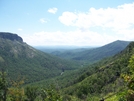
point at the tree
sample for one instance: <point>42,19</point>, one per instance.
<point>31,93</point>
<point>50,95</point>
<point>16,91</point>
<point>3,86</point>
<point>129,79</point>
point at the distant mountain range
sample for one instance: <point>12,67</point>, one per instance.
<point>91,55</point>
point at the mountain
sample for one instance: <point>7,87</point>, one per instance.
<point>94,54</point>
<point>55,50</point>
<point>19,59</point>
<point>13,37</point>
<point>101,79</point>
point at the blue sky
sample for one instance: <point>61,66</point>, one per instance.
<point>68,22</point>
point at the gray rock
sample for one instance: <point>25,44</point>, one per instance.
<point>10,36</point>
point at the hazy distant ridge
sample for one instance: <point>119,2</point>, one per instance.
<point>95,54</point>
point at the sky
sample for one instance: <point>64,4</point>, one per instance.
<point>68,22</point>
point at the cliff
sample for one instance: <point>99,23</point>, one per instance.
<point>10,36</point>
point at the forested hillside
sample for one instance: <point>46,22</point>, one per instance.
<point>18,58</point>
<point>104,79</point>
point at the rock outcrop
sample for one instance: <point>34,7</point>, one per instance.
<point>10,36</point>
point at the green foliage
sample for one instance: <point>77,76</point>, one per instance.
<point>31,93</point>
<point>129,79</point>
<point>3,86</point>
<point>122,96</point>
<point>16,94</point>
<point>50,95</point>
<point>16,91</point>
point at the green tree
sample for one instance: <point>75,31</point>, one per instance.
<point>31,93</point>
<point>16,91</point>
<point>128,95</point>
<point>3,86</point>
<point>130,80</point>
<point>51,95</point>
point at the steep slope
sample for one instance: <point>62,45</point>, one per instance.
<point>103,78</point>
<point>18,58</point>
<point>95,54</point>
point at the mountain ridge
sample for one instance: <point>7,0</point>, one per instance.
<point>95,54</point>
<point>18,58</point>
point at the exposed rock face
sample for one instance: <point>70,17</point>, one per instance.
<point>10,36</point>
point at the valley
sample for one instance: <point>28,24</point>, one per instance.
<point>64,74</point>
<point>87,55</point>
<point>67,50</point>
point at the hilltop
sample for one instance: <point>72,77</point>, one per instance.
<point>10,36</point>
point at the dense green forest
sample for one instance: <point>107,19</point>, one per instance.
<point>27,74</point>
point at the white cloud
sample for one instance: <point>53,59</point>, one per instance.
<point>116,18</point>
<point>52,10</point>
<point>68,18</point>
<point>95,27</point>
<point>78,38</point>
<point>42,20</point>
